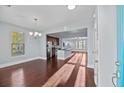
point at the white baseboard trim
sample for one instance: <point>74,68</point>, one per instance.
<point>19,62</point>
<point>44,58</point>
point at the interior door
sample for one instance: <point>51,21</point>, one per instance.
<point>120,45</point>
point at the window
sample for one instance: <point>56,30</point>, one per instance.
<point>80,44</point>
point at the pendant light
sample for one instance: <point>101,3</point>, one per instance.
<point>35,33</point>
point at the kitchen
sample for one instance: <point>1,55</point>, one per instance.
<point>63,45</point>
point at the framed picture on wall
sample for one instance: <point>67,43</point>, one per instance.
<point>17,45</point>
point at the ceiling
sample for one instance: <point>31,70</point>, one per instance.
<point>49,16</point>
<point>71,34</point>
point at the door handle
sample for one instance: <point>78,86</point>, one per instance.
<point>116,74</point>
<point>117,63</point>
<point>113,80</point>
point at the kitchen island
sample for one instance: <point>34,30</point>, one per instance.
<point>63,54</point>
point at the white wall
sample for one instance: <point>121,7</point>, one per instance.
<point>90,47</point>
<point>43,46</point>
<point>32,46</point>
<point>107,44</point>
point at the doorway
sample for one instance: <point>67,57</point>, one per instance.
<point>52,43</point>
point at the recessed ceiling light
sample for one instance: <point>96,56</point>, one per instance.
<point>71,7</point>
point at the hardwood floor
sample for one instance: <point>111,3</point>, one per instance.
<point>90,78</point>
<point>37,72</point>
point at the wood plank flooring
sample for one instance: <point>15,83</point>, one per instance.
<point>38,73</point>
